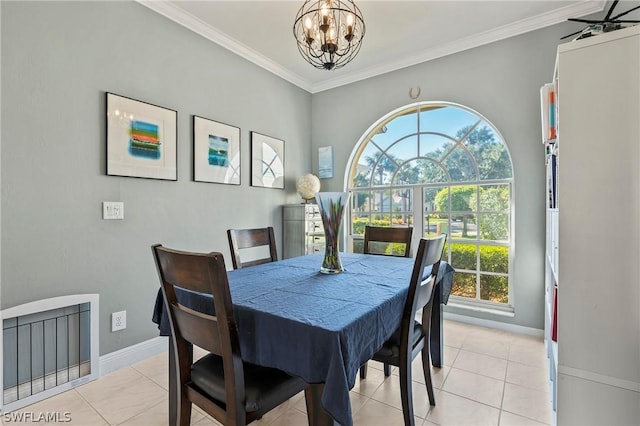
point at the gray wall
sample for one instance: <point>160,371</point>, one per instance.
<point>58,60</point>
<point>501,81</point>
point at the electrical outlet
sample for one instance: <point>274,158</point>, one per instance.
<point>118,320</point>
<point>112,210</point>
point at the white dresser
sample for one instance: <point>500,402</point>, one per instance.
<point>302,231</point>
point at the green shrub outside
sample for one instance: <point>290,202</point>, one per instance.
<point>494,288</point>
<point>359,224</point>
<point>463,256</point>
<point>464,285</point>
<point>358,229</point>
<point>492,259</point>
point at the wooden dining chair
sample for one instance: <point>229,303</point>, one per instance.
<point>240,239</point>
<point>376,241</point>
<point>413,337</point>
<point>375,238</point>
<point>232,391</point>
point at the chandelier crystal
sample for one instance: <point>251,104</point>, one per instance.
<point>329,33</point>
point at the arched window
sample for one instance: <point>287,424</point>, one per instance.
<point>441,168</point>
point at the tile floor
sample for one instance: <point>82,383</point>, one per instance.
<point>489,377</point>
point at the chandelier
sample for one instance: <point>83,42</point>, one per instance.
<point>329,32</point>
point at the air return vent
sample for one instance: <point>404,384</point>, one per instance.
<point>48,346</point>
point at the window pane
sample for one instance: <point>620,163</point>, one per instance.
<point>358,223</point>
<point>365,165</point>
<point>404,149</point>
<point>409,173</point>
<point>494,227</point>
<point>397,128</point>
<point>464,285</point>
<point>435,224</point>
<point>464,226</point>
<point>384,168</point>
<point>494,259</point>
<point>380,220</point>
<point>430,194</point>
<point>402,205</point>
<point>446,119</point>
<point>434,146</point>
<point>490,152</point>
<point>494,198</point>
<point>359,201</point>
<point>464,256</point>
<point>460,166</point>
<point>461,199</point>
<point>494,288</point>
<point>428,172</point>
<point>380,201</point>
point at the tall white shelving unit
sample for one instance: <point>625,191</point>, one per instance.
<point>593,237</point>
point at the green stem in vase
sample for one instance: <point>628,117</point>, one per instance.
<point>331,206</point>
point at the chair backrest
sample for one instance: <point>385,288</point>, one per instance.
<point>240,239</point>
<point>216,333</point>
<point>376,234</point>
<point>421,288</point>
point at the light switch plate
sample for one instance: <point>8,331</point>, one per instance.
<point>113,210</point>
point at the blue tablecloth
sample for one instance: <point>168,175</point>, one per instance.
<point>319,327</point>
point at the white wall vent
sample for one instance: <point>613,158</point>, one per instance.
<point>48,346</point>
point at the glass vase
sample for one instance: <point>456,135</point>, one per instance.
<point>331,205</point>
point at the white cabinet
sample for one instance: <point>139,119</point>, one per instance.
<point>550,140</point>
<point>598,234</point>
<point>302,231</point>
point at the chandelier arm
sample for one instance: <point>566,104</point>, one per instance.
<point>310,59</point>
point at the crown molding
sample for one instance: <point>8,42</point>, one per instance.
<point>476,40</point>
<point>174,13</point>
<point>170,11</point>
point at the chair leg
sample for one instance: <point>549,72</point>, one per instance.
<point>363,371</point>
<point>426,364</point>
<point>387,370</point>
<point>406,392</point>
<point>185,411</point>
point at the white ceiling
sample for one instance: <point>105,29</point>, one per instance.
<point>398,33</point>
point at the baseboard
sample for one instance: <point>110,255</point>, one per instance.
<point>130,355</point>
<point>513,328</point>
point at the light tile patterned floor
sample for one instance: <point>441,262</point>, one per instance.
<point>489,377</point>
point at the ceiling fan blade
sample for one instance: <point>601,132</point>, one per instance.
<point>572,34</point>
<point>624,13</point>
<point>613,6</point>
<point>586,21</point>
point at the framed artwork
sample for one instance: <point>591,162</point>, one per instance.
<point>267,161</point>
<point>216,152</point>
<point>325,162</point>
<point>141,139</point>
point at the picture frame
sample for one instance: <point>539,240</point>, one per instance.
<point>141,139</point>
<point>325,162</point>
<point>216,152</point>
<point>267,161</point>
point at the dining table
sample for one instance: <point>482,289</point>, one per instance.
<point>320,327</point>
